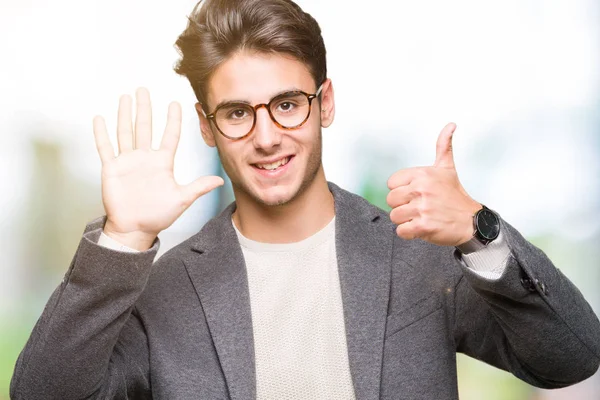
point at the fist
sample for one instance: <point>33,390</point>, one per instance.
<point>430,202</point>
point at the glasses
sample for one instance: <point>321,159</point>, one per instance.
<point>289,110</point>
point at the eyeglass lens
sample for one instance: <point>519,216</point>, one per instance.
<point>289,110</point>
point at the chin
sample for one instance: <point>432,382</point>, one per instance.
<point>275,196</point>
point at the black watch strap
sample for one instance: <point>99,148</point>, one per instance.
<point>471,246</point>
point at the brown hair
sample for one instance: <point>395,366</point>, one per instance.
<point>219,28</point>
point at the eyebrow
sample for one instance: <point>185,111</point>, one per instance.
<point>229,102</point>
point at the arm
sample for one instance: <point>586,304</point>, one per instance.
<point>89,341</point>
<point>545,334</point>
<point>529,319</point>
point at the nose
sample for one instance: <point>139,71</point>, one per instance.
<point>266,133</point>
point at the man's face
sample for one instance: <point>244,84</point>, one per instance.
<point>256,78</point>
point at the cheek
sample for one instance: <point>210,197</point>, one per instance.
<point>231,156</point>
<point>308,134</point>
<point>315,115</point>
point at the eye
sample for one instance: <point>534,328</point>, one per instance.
<point>286,106</point>
<point>237,113</point>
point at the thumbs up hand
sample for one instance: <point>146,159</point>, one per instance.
<point>429,202</point>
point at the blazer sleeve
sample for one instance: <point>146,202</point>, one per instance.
<point>532,321</point>
<point>89,341</point>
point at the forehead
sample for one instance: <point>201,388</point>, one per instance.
<point>256,77</point>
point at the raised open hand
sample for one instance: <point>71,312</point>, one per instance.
<point>139,192</point>
<point>430,202</point>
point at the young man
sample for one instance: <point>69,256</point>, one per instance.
<point>299,289</point>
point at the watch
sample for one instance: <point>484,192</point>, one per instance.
<point>486,225</point>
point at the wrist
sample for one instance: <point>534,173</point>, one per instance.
<point>137,240</point>
<point>469,225</point>
<point>486,224</point>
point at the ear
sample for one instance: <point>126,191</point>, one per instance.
<point>205,128</point>
<point>327,104</point>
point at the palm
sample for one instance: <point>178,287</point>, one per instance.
<point>139,191</point>
<point>137,184</point>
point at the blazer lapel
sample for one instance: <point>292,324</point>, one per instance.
<point>364,250</point>
<point>218,273</point>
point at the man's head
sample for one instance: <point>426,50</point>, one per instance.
<point>249,51</point>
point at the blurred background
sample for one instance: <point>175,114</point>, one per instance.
<point>519,77</point>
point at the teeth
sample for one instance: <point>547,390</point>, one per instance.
<point>274,165</point>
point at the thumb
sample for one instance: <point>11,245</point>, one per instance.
<point>200,187</point>
<point>444,157</point>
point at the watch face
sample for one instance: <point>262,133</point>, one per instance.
<point>488,225</point>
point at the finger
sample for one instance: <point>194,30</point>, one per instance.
<point>200,187</point>
<point>409,230</point>
<point>444,157</point>
<point>401,195</point>
<point>105,149</point>
<point>401,178</point>
<point>124,128</point>
<point>143,120</point>
<point>403,214</point>
<point>170,138</point>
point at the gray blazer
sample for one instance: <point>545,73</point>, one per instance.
<point>120,326</point>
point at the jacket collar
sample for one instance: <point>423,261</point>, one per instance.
<point>363,245</point>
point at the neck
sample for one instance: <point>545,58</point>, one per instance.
<point>309,212</point>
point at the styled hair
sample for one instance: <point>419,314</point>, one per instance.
<point>217,29</point>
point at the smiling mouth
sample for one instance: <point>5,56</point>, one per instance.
<point>274,165</point>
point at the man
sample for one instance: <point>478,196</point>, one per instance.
<point>299,289</point>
